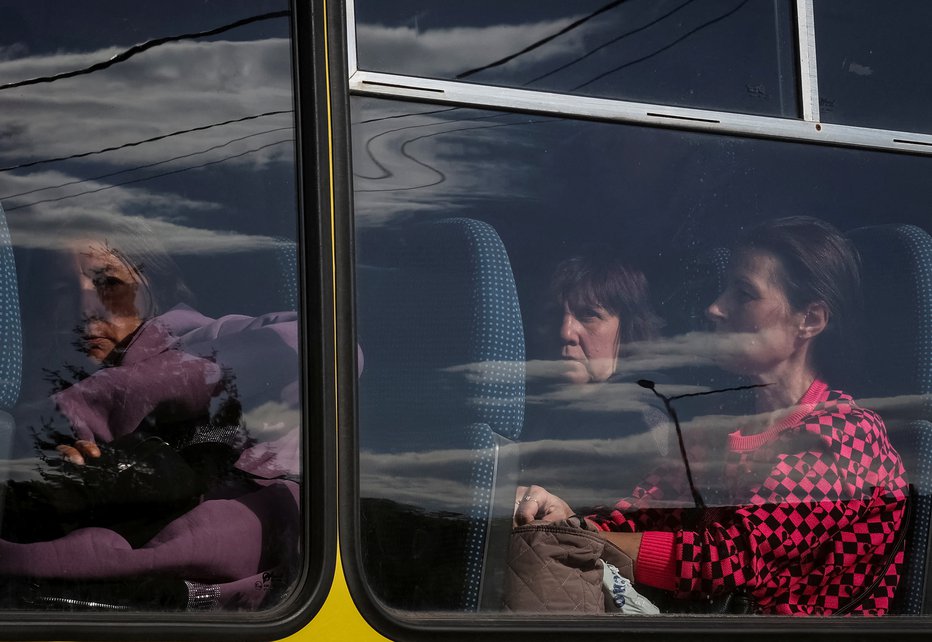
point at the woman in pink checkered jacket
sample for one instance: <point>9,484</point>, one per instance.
<point>817,492</point>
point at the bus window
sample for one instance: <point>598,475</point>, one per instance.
<point>866,75</point>
<point>152,444</point>
<point>474,316</point>
<point>727,55</point>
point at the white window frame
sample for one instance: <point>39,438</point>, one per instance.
<point>809,128</point>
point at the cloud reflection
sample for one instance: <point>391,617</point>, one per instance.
<point>584,472</point>
<point>164,89</point>
<point>271,420</point>
<point>95,215</point>
<point>403,167</point>
<point>172,87</point>
<point>439,479</point>
<point>447,52</point>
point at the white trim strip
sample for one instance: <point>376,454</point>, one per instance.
<point>808,69</point>
<point>473,95</point>
<point>351,60</point>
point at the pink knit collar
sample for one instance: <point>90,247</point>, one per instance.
<point>738,442</point>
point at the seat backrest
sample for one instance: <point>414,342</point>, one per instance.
<point>440,324</point>
<point>286,253</point>
<point>699,280</point>
<point>897,374</point>
<point>914,441</point>
<point>11,340</point>
<point>897,284</point>
<point>11,333</point>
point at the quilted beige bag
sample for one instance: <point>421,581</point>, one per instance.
<point>556,567</point>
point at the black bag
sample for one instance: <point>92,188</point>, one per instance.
<point>138,485</point>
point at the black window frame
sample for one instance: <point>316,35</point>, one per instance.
<point>427,626</point>
<point>311,50</point>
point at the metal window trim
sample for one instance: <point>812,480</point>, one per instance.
<point>351,62</point>
<point>808,68</point>
<point>809,129</point>
<point>604,109</point>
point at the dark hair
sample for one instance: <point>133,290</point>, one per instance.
<point>603,280</point>
<point>817,263</point>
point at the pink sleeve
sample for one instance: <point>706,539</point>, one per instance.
<point>656,565</point>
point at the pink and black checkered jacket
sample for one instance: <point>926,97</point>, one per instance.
<point>817,501</point>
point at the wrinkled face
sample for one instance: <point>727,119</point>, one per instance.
<point>112,298</point>
<point>763,330</point>
<point>590,341</point>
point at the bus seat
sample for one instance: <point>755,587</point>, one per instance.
<point>897,375</point>
<point>700,279</point>
<point>493,481</point>
<point>286,253</point>
<point>439,319</point>
<point>897,283</point>
<point>914,440</point>
<point>11,337</point>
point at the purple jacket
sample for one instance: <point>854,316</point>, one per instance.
<point>176,364</point>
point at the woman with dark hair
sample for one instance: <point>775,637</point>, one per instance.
<point>605,306</point>
<point>817,492</point>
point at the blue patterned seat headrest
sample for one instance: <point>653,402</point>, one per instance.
<point>498,335</point>
<point>475,258</point>
<point>286,254</point>
<point>11,333</point>
<point>913,440</point>
<point>897,282</point>
<point>439,320</point>
<point>698,281</point>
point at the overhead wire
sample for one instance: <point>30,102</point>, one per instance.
<point>144,141</point>
<point>609,43</point>
<point>686,35</point>
<point>157,42</point>
<point>388,174</point>
<point>135,50</point>
<point>539,43</point>
<point>146,166</point>
<point>149,178</point>
<point>122,57</point>
<point>534,45</point>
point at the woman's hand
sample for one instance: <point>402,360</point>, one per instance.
<point>536,503</point>
<point>82,448</point>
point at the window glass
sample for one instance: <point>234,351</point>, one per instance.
<point>543,301</point>
<point>730,55</point>
<point>871,64</point>
<point>150,423</point>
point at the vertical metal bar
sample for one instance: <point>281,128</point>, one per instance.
<point>779,25</point>
<point>808,69</point>
<point>351,37</point>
